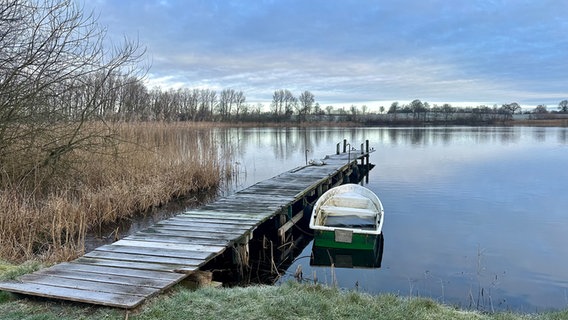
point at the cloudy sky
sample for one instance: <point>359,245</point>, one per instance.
<point>358,52</point>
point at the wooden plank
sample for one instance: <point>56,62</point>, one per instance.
<point>167,245</point>
<point>56,281</point>
<point>207,227</point>
<point>179,240</point>
<point>205,237</point>
<point>261,202</point>
<point>246,212</point>
<point>186,219</point>
<point>130,265</point>
<point>189,230</point>
<point>142,258</point>
<point>160,252</point>
<point>166,276</point>
<point>107,278</point>
<point>275,197</point>
<point>226,214</point>
<point>285,227</point>
<point>198,222</point>
<point>270,190</point>
<point>102,298</point>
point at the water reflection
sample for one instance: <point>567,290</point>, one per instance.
<point>284,143</point>
<point>346,258</point>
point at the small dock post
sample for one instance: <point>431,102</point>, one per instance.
<point>367,163</point>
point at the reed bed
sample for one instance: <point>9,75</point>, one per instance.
<point>146,165</point>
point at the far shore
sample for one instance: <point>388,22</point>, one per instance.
<point>391,123</point>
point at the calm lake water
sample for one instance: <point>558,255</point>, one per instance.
<point>474,217</point>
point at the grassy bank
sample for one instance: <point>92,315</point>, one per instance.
<point>289,301</point>
<point>145,165</point>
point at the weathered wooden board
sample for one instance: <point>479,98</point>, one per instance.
<point>205,234</point>
<point>89,268</point>
<point>227,214</point>
<point>203,226</point>
<point>160,252</point>
<point>93,297</point>
<point>194,237</point>
<point>182,240</point>
<point>131,265</point>
<point>184,219</point>
<point>55,281</point>
<point>105,278</point>
<point>139,257</point>
<point>143,264</point>
<point>171,245</point>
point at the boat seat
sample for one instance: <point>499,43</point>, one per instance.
<point>350,200</point>
<point>351,221</point>
<point>342,211</point>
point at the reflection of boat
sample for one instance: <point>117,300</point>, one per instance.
<point>348,258</point>
<point>348,217</point>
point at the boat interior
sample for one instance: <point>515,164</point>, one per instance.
<point>348,210</point>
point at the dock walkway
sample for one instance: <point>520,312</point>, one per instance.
<point>125,273</point>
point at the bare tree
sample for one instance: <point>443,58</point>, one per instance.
<point>133,100</point>
<point>55,76</point>
<point>447,110</point>
<point>563,106</point>
<point>304,108</point>
<point>394,109</point>
<point>283,104</point>
<point>240,106</point>
<point>511,107</point>
<point>207,104</point>
<point>277,105</point>
<point>226,101</point>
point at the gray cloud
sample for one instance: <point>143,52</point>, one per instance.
<point>352,51</point>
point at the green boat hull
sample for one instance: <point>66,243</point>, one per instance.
<point>346,258</point>
<point>340,239</point>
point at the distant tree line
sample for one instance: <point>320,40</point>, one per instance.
<point>418,112</point>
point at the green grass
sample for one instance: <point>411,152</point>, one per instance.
<point>9,271</point>
<point>289,301</point>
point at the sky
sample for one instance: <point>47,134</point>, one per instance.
<point>353,52</point>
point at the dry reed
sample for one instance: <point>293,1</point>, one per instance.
<point>148,165</point>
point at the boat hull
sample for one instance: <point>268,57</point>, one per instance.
<point>344,239</point>
<point>348,258</point>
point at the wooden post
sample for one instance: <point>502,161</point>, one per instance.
<point>368,167</point>
<point>337,148</point>
<point>241,254</point>
<point>362,150</point>
<point>344,145</point>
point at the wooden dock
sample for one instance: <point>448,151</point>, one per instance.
<point>125,273</point>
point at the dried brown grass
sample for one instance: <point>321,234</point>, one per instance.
<point>147,165</point>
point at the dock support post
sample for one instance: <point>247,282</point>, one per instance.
<point>367,165</point>
<point>241,254</point>
<point>337,148</point>
<point>344,145</point>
